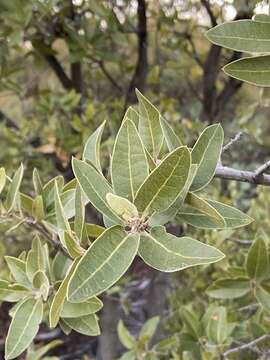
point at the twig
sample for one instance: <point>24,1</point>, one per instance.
<point>246,346</point>
<point>239,241</point>
<point>233,140</point>
<point>209,12</point>
<point>262,169</point>
<point>228,173</point>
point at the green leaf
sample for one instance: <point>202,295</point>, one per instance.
<point>18,270</point>
<point>132,115</point>
<point>112,250</point>
<point>79,215</point>
<point>94,230</point>
<point>73,310</point>
<point>26,203</point>
<point>228,288</point>
<point>171,139</point>
<point>253,70</point>
<point>60,266</point>
<point>129,355</point>
<point>62,222</point>
<point>166,252</point>
<point>205,208</point>
<point>39,354</point>
<point>95,187</point>
<point>41,282</point>
<point>59,297</point>
<point>2,179</point>
<point>206,153</point>
<point>129,167</point>
<point>263,297</point>
<point>217,325</point>
<point>233,217</point>
<point>37,182</point>
<point>36,259</point>
<point>163,185</point>
<point>257,263</point>
<point>86,325</point>
<point>242,35</point>
<point>49,189</point>
<point>14,189</point>
<point>122,207</point>
<point>12,292</point>
<point>73,247</point>
<point>23,328</point>
<point>149,328</point>
<point>149,125</point>
<point>91,150</point>
<point>125,336</point>
<point>38,208</point>
<point>191,322</point>
<point>169,214</point>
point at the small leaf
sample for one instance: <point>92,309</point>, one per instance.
<point>125,336</point>
<point>62,222</point>
<point>2,179</point>
<point>242,35</point>
<point>86,325</point>
<point>59,297</point>
<point>24,327</point>
<point>129,166</point>
<point>95,187</point>
<point>257,263</point>
<point>103,264</point>
<point>229,288</point>
<point>149,125</point>
<point>41,282</point>
<point>166,252</point>
<point>60,266</point>
<point>132,115</point>
<point>36,259</point>
<point>79,215</point>
<point>73,310</point>
<point>38,208</point>
<point>263,297</point>
<point>253,70</point>
<point>73,247</point>
<point>191,322</point>
<point>122,207</point>
<point>18,270</point>
<point>37,182</point>
<point>149,328</point>
<point>217,325</point>
<point>12,292</point>
<point>14,189</point>
<point>171,139</point>
<point>91,150</point>
<point>206,153</point>
<point>163,185</point>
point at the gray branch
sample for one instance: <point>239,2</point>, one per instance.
<point>228,173</point>
<point>247,346</point>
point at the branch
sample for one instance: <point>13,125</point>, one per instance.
<point>209,12</point>
<point>262,169</point>
<point>246,346</point>
<point>59,72</point>
<point>9,122</point>
<point>233,140</point>
<point>228,173</point>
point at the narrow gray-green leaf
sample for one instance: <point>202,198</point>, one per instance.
<point>79,214</point>
<point>228,288</point>
<point>95,187</point>
<point>263,297</point>
<point>149,125</point>
<point>125,336</point>
<point>41,282</point>
<point>14,189</point>
<point>86,325</point>
<point>23,328</point>
<point>166,252</point>
<point>91,150</point>
<point>103,264</point>
<point>253,70</point>
<point>62,222</point>
<point>149,328</point>
<point>171,139</point>
<point>18,270</point>
<point>132,115</point>
<point>59,297</point>
<point>206,153</point>
<point>2,179</point>
<point>122,207</point>
<point>37,182</point>
<point>242,35</point>
<point>257,263</point>
<point>164,184</point>
<point>73,310</point>
<point>12,292</point>
<point>129,166</point>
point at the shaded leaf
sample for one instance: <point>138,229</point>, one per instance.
<point>257,262</point>
<point>73,310</point>
<point>171,139</point>
<point>228,288</point>
<point>86,325</point>
<point>125,336</point>
<point>14,189</point>
<point>103,264</point>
